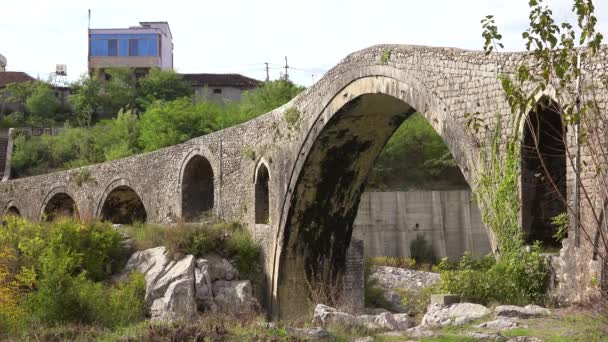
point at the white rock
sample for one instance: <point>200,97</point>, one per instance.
<point>203,288</point>
<point>392,279</point>
<point>500,324</point>
<point>221,269</point>
<point>151,263</point>
<point>324,315</point>
<point>235,297</point>
<point>453,314</point>
<point>527,311</point>
<point>174,271</point>
<point>177,303</point>
<point>388,321</point>
<point>487,336</point>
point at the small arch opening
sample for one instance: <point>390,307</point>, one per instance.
<point>12,210</point>
<point>123,206</point>
<point>543,193</point>
<point>60,205</point>
<point>197,189</point>
<point>262,196</point>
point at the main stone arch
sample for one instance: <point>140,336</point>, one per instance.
<point>330,171</point>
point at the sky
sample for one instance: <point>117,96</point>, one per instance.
<point>238,36</point>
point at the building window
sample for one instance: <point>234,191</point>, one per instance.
<point>113,47</point>
<point>217,91</point>
<point>133,44</point>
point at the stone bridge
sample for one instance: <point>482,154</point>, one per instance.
<point>293,176</point>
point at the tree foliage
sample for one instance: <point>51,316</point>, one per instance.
<point>163,123</point>
<point>416,157</point>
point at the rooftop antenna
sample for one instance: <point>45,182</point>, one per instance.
<point>89,23</point>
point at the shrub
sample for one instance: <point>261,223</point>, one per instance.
<point>391,261</point>
<point>229,240</point>
<point>421,250</point>
<point>50,273</point>
<point>516,279</point>
<point>374,294</point>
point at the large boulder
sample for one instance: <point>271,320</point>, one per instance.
<point>524,312</point>
<point>176,289</point>
<point>151,263</point>
<point>174,271</point>
<point>395,280</point>
<point>220,268</point>
<point>453,314</point>
<point>234,297</point>
<point>177,303</point>
<point>324,315</point>
<point>203,288</point>
<point>501,323</point>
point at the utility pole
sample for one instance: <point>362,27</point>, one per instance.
<point>267,73</point>
<point>286,69</point>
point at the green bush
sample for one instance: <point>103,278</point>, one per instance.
<point>229,240</point>
<point>516,279</point>
<point>422,251</point>
<point>58,268</point>
<point>407,263</point>
<point>415,157</point>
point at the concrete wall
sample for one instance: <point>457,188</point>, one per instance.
<point>227,94</point>
<point>450,221</point>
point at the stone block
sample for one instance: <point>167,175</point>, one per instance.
<point>445,299</point>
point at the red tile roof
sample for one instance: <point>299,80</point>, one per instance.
<point>219,80</point>
<point>8,77</point>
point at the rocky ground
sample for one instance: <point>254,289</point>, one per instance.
<point>201,290</point>
<point>397,282</point>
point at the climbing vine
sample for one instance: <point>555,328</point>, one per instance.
<point>497,188</point>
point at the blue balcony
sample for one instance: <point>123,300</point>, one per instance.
<point>124,45</point>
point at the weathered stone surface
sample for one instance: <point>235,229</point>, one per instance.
<point>174,271</point>
<point>454,314</point>
<point>177,303</point>
<point>527,311</point>
<point>487,336</point>
<point>420,331</point>
<point>310,334</point>
<point>203,288</point>
<point>392,279</point>
<point>221,269</point>
<point>444,299</point>
<point>501,323</point>
<point>324,315</point>
<point>235,297</point>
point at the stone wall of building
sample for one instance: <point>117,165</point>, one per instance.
<point>449,221</point>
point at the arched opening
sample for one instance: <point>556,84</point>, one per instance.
<point>262,195</point>
<point>327,193</point>
<point>543,173</point>
<point>60,205</point>
<point>197,189</point>
<point>12,210</point>
<point>123,206</point>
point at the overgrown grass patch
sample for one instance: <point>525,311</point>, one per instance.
<point>229,240</point>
